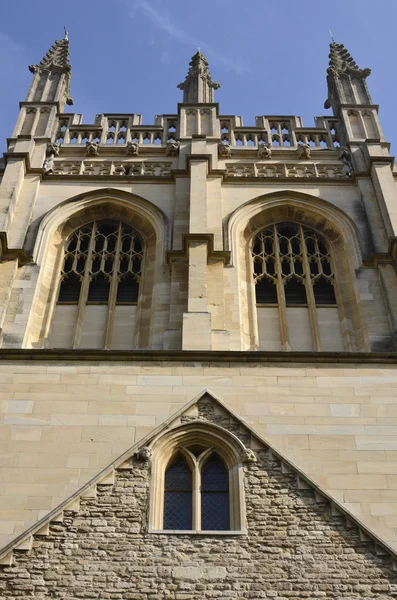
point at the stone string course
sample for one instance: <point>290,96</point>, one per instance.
<point>295,547</point>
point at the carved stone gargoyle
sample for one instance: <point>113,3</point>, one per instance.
<point>52,151</point>
<point>172,148</point>
<point>92,148</point>
<point>346,158</point>
<point>144,454</point>
<point>303,151</point>
<point>265,151</point>
<point>132,148</point>
<point>224,150</point>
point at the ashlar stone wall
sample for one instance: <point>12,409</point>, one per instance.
<point>295,546</point>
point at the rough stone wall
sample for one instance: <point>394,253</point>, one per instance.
<point>295,548</point>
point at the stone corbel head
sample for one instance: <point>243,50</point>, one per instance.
<point>172,148</point>
<point>144,454</point>
<point>303,150</point>
<point>265,151</point>
<point>92,148</point>
<point>224,150</point>
<point>132,148</point>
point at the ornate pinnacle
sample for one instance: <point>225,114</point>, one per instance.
<point>57,59</point>
<point>198,86</point>
<point>57,56</point>
<point>341,61</point>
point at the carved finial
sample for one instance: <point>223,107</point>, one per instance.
<point>66,36</point>
<point>198,86</point>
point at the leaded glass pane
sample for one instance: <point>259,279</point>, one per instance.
<point>215,496</point>
<point>178,496</point>
<point>280,254</point>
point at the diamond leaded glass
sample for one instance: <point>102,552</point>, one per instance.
<point>178,496</point>
<point>215,496</point>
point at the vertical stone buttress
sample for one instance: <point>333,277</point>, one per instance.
<point>26,152</point>
<point>364,143</point>
<point>203,318</point>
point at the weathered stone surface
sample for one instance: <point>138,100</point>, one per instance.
<point>295,546</point>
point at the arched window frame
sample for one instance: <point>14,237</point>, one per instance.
<point>306,279</point>
<point>215,440</point>
<point>85,280</point>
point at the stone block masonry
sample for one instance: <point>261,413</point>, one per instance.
<point>295,546</point>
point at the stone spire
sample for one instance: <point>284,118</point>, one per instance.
<point>198,86</point>
<point>345,80</point>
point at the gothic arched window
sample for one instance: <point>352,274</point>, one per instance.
<point>196,492</point>
<point>295,290</point>
<point>99,287</point>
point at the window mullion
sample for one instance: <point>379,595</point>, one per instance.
<point>196,498</point>
<point>282,309</point>
<point>113,290</point>
<point>310,295</point>
<point>84,290</point>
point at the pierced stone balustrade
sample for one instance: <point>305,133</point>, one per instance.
<point>112,168</point>
<point>297,170</point>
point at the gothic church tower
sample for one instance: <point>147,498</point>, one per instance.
<point>198,348</point>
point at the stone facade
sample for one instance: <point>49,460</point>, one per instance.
<point>83,379</point>
<point>296,545</point>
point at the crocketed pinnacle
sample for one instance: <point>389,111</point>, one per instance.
<point>198,86</point>
<point>57,56</point>
<point>341,61</point>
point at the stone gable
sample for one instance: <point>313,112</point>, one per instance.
<point>296,545</point>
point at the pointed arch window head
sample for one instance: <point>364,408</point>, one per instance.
<point>100,275</point>
<point>197,481</point>
<point>293,272</point>
<point>196,492</point>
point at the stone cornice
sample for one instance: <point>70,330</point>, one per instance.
<point>189,356</point>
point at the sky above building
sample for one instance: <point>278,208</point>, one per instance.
<point>269,56</point>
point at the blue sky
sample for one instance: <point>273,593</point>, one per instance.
<point>270,56</point>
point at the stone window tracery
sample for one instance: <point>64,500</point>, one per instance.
<point>99,287</point>
<point>295,290</point>
<point>197,481</point>
<point>196,492</point>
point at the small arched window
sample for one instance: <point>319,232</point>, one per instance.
<point>99,287</point>
<point>196,492</point>
<point>295,290</point>
<point>197,481</point>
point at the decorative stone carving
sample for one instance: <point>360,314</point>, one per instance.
<point>240,170</point>
<point>249,456</point>
<point>132,148</point>
<point>224,150</point>
<point>144,454</point>
<point>53,149</point>
<point>92,148</point>
<point>303,151</point>
<point>172,148</point>
<point>345,157</point>
<point>48,164</point>
<point>265,151</point>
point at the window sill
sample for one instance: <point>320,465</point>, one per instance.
<point>196,532</point>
